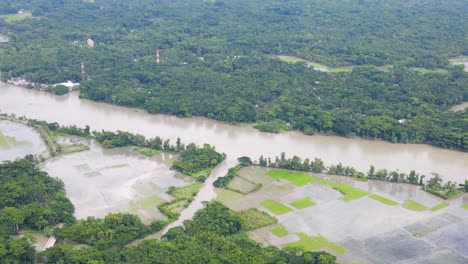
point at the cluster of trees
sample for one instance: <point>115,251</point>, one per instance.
<point>194,160</point>
<point>434,185</point>
<point>216,61</point>
<point>29,198</point>
<point>223,182</point>
<point>114,230</point>
<point>55,127</point>
<point>214,235</point>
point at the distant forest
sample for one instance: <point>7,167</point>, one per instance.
<point>218,60</point>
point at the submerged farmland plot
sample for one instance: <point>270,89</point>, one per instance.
<point>352,219</point>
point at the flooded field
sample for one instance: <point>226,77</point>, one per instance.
<point>461,60</point>
<point>102,181</point>
<point>18,140</point>
<point>376,228</point>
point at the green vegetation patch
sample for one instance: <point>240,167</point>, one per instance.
<point>338,70</point>
<point>296,178</point>
<point>254,218</point>
<point>185,192</point>
<point>303,203</point>
<point>10,18</point>
<point>279,231</point>
<point>439,206</point>
<point>414,206</point>
<point>292,59</point>
<point>146,151</point>
<point>227,197</point>
<point>308,243</point>
<point>6,141</point>
<point>383,199</point>
<point>465,206</point>
<point>276,207</point>
<point>300,179</point>
<point>275,126</point>
<point>148,202</point>
<point>73,148</point>
<point>426,71</point>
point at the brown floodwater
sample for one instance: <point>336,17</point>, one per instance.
<point>18,140</point>
<point>101,181</point>
<point>234,140</point>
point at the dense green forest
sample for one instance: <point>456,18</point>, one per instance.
<point>214,235</point>
<point>217,60</point>
<point>29,198</point>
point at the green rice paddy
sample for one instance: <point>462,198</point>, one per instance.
<point>227,197</point>
<point>414,206</point>
<point>279,231</point>
<point>146,151</point>
<point>309,243</point>
<point>439,206</point>
<point>303,203</point>
<point>186,192</point>
<point>383,199</point>
<point>300,179</point>
<point>254,218</point>
<point>10,18</point>
<point>6,141</point>
<point>276,207</point>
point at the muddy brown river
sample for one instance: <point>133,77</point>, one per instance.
<point>234,140</point>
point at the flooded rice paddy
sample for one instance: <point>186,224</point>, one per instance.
<point>18,140</point>
<point>370,230</point>
<point>102,181</point>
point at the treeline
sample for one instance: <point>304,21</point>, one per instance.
<point>29,198</point>
<point>114,230</point>
<point>433,185</point>
<point>194,160</point>
<point>214,235</point>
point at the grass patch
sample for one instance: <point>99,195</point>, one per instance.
<point>303,203</point>
<point>227,197</point>
<point>279,231</point>
<point>439,206</point>
<point>148,202</point>
<point>296,178</point>
<point>293,59</point>
<point>425,71</point>
<point>276,207</point>
<point>6,141</point>
<point>414,206</point>
<point>67,149</point>
<point>338,70</point>
<point>185,192</point>
<point>300,179</point>
<point>146,151</point>
<point>307,243</point>
<point>242,185</point>
<point>177,206</point>
<point>383,199</point>
<point>254,218</point>
<point>10,18</point>
<point>465,206</point>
